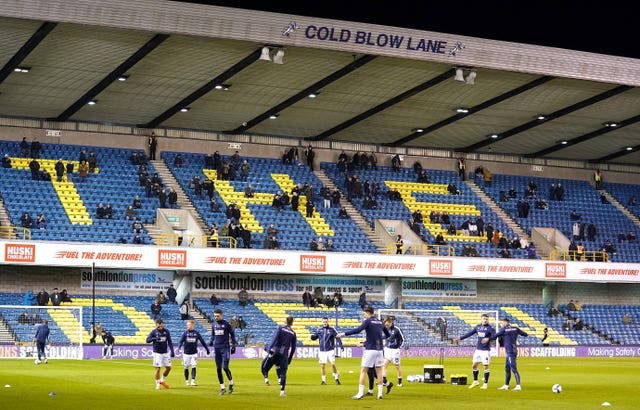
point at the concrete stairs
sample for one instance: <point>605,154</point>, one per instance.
<point>6,336</point>
<point>169,181</point>
<point>353,213</point>
<point>621,207</point>
<point>495,207</point>
<point>5,221</point>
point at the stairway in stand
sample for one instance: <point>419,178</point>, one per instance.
<point>353,213</point>
<point>169,181</point>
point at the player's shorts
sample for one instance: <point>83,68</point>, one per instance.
<point>482,356</point>
<point>161,359</point>
<point>372,358</point>
<point>329,356</point>
<point>189,360</point>
<point>392,355</point>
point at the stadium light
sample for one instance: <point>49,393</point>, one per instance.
<point>264,55</point>
<point>466,75</point>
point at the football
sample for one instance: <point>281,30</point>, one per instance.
<point>556,388</point>
<point>36,361</point>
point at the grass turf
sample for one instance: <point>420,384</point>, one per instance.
<point>129,384</point>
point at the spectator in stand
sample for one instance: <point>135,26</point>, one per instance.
<point>153,146</point>
<point>64,296</point>
<point>578,324</point>
<point>156,310</point>
<point>362,300</point>
<point>177,161</point>
<point>553,312</point>
<point>233,322</point>
<point>306,298</point>
<point>440,239</point>
<point>633,201</point>
<point>6,161</point>
<point>571,306</point>
<point>26,221</point>
<point>161,298</point>
<point>108,212</point>
<point>137,226</point>
<point>59,167</point>
<point>214,300</point>
<point>631,237</point>
<point>171,295</point>
<point>129,213</point>
<point>184,310</point>
<point>313,245</point>
<point>173,198</point>
<point>626,319</point>
<point>41,221</point>
<point>575,216</point>
<point>83,170</point>
<point>242,324</point>
<point>92,161</point>
<point>531,251</point>
<point>243,297</point>
<point>137,239</point>
<point>56,299</point>
<point>578,305</point>
<point>25,147</point>
<point>597,178</point>
<point>567,325</point>
<point>35,148</point>
<point>609,248</point>
<point>137,204</point>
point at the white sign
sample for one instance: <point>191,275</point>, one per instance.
<point>257,283</point>
<point>126,279</point>
<point>369,265</point>
<point>440,288</point>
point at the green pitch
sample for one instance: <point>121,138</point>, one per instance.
<point>129,384</point>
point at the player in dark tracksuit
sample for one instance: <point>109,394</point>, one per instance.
<point>221,332</point>
<point>281,351</point>
<point>189,340</point>
<point>109,341</point>
<point>41,339</point>
<point>510,337</point>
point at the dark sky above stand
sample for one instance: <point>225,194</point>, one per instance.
<point>603,27</point>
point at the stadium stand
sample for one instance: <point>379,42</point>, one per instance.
<point>427,197</point>
<point>69,206</point>
<point>580,196</point>
<point>268,177</point>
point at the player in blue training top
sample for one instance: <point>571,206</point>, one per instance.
<point>281,351</point>
<point>221,332</point>
<point>41,339</point>
<point>482,354</point>
<point>510,338</point>
<point>189,340</point>
<point>392,352</point>
<point>373,350</point>
<point>326,337</point>
<point>162,344</point>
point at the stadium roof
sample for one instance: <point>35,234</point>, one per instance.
<point>58,57</point>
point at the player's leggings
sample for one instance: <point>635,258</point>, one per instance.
<point>41,350</point>
<point>511,366</point>
<point>222,356</point>
<point>282,364</point>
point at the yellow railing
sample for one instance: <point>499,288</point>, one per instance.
<point>15,232</point>
<point>197,241</point>
<point>566,255</point>
<point>422,249</point>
